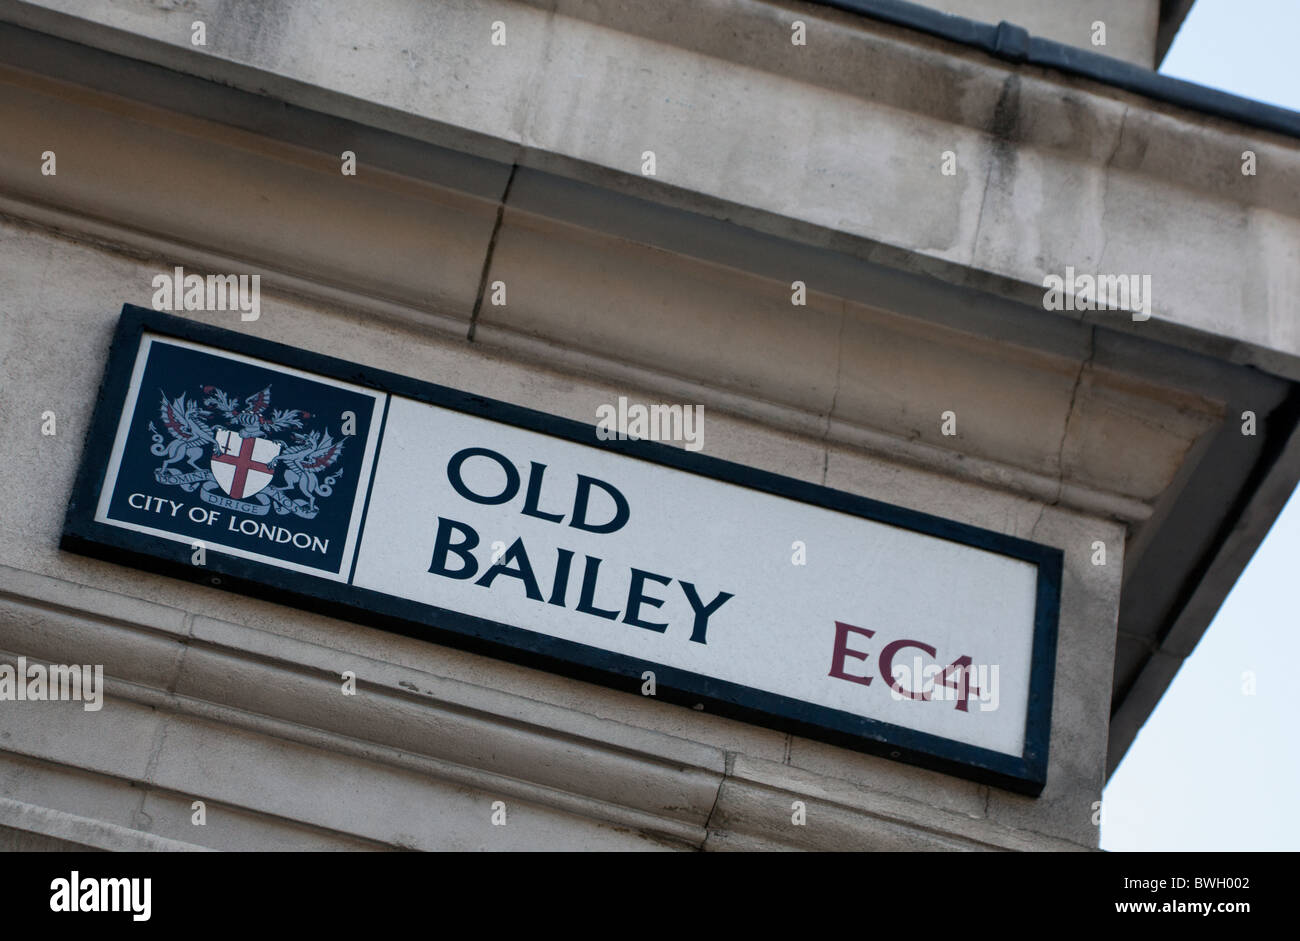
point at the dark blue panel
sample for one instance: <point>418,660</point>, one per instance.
<point>186,398</point>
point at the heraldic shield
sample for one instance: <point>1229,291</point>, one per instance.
<point>242,465</point>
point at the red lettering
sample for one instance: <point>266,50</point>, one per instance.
<point>842,650</point>
<point>961,683</point>
<point>887,666</point>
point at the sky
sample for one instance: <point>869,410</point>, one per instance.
<point>1217,766</point>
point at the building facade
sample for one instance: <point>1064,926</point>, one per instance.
<point>833,226</point>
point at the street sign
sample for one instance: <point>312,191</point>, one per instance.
<point>227,459</point>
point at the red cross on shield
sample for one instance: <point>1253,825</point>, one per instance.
<point>241,464</point>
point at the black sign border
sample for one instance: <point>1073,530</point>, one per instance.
<point>1026,774</point>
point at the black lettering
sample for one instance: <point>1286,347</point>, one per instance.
<point>563,560</point>
<point>636,596</point>
<point>512,476</point>
<point>535,493</point>
<point>621,511</point>
<point>442,545</point>
<point>524,572</point>
<point>702,612</point>
<point>586,603</point>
